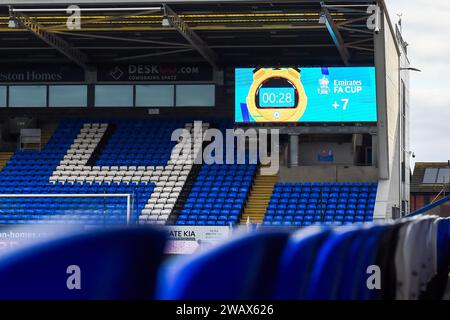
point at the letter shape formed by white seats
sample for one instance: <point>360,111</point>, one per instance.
<point>169,180</point>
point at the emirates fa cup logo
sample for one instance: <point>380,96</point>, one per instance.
<point>324,86</point>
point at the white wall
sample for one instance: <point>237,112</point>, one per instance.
<point>405,152</point>
<point>389,191</point>
<point>328,173</point>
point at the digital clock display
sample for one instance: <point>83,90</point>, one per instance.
<point>276,97</point>
<point>306,94</point>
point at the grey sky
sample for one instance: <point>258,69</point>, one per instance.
<point>426,27</point>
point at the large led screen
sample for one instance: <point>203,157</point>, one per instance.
<point>338,94</point>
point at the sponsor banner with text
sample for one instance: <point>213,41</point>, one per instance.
<point>41,73</point>
<point>188,239</point>
<point>154,73</point>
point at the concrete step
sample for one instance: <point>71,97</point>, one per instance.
<point>4,158</point>
<point>259,199</point>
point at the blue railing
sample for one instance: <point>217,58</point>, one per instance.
<point>429,207</point>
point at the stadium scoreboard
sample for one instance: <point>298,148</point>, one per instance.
<point>335,94</point>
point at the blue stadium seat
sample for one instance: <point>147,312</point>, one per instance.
<point>202,277</point>
<point>297,263</point>
<point>347,201</point>
<point>39,271</point>
<point>328,267</point>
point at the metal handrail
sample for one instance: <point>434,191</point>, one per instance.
<point>429,207</point>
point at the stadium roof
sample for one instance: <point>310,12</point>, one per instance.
<point>222,32</point>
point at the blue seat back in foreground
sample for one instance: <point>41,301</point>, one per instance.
<point>297,263</point>
<point>114,264</point>
<point>443,244</point>
<point>360,255</point>
<point>244,268</point>
<point>329,265</point>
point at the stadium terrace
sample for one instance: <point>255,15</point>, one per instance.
<point>202,153</point>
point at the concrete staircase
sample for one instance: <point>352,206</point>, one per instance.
<point>259,198</point>
<point>4,158</point>
<point>46,132</point>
